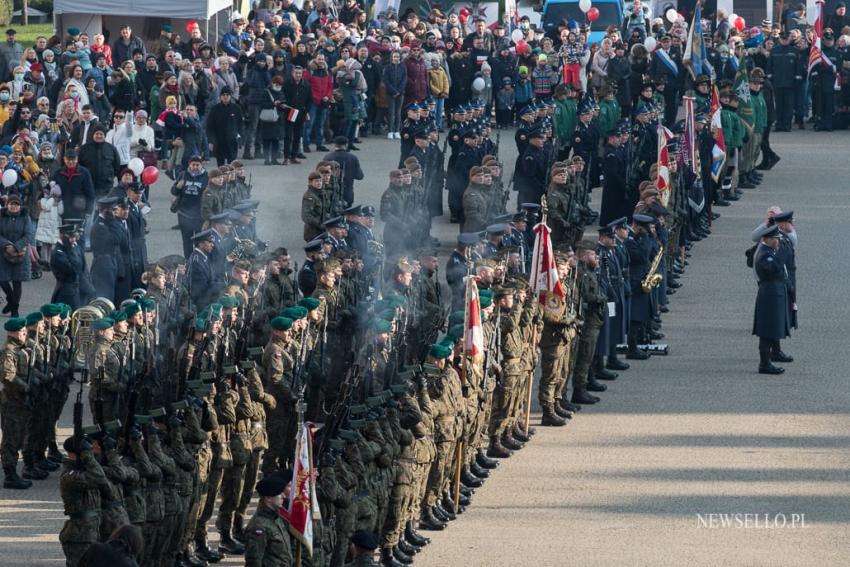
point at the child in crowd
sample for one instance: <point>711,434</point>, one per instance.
<point>505,101</point>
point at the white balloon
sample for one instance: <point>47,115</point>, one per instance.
<point>732,19</point>
<point>477,85</point>
<point>10,177</point>
<point>672,15</point>
<point>649,43</point>
<point>137,166</point>
<point>584,5</point>
<point>517,35</point>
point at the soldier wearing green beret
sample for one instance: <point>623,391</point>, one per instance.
<point>278,365</point>
<point>14,406</point>
<point>107,386</point>
<point>39,396</point>
<point>56,343</point>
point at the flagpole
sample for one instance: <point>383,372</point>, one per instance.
<point>544,210</point>
<point>463,373</point>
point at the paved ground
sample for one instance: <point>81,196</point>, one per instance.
<point>676,439</point>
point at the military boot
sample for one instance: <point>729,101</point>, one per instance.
<point>407,548</point>
<point>54,454</point>
<point>496,450</point>
<point>387,559</point>
<point>568,405</point>
<point>430,522</point>
<point>402,557</point>
<point>205,552</point>
<point>440,513</point>
<point>13,481</point>
<point>413,536</point>
<point>550,418</point>
<point>599,370</point>
<point>478,470</point>
<point>615,363</point>
<point>229,545</point>
<point>519,435</point>
<point>582,397</point>
<point>447,507</point>
<point>32,472</point>
<point>484,461</point>
<point>47,465</point>
<point>470,479</point>
<point>510,443</point>
<point>562,412</point>
<point>193,560</point>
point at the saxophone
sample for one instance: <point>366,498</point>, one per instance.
<point>652,278</point>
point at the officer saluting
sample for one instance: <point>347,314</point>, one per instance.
<point>771,322</point>
<point>68,264</point>
<point>106,246</point>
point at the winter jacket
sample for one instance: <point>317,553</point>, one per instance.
<point>77,191</point>
<point>417,80</point>
<point>104,163</point>
<point>439,83</point>
<point>321,83</point>
<point>395,79</point>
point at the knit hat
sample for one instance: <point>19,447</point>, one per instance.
<point>523,70</point>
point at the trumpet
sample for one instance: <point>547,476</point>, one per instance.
<point>653,278</point>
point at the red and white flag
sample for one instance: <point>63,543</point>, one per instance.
<point>663,181</point>
<point>816,54</point>
<point>292,115</point>
<point>544,272</point>
<point>303,505</point>
<point>473,332</point>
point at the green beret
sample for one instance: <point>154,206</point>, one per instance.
<point>440,352</point>
<point>103,324</point>
<point>357,409</point>
<point>456,318</point>
<point>486,292</point>
<point>132,308</point>
<point>73,31</point>
<point>485,301</point>
<point>381,325</point>
<point>281,324</point>
<point>294,313</point>
<point>201,323</point>
<point>118,315</point>
<point>148,305</point>
<point>309,303</point>
<point>51,310</point>
<point>34,317</point>
<point>455,333</point>
<point>215,311</point>
<point>228,302</point>
<point>15,324</point>
<point>447,342</point>
<point>398,389</point>
<point>66,309</point>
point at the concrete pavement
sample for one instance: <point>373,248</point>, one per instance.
<point>636,478</point>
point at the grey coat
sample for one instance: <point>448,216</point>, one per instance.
<point>18,231</point>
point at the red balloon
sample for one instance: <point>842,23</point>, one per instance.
<point>464,12</point>
<point>593,14</point>
<point>740,23</point>
<point>149,175</point>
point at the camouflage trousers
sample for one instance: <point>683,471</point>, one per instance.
<point>250,476</point>
<point>440,472</point>
<point>584,357</point>
<point>504,400</point>
<point>552,357</point>
<point>14,422</point>
<point>401,498</point>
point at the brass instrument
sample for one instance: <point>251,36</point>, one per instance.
<point>81,321</point>
<point>245,249</point>
<point>652,278</point>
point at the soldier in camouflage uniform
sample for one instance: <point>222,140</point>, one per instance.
<point>212,199</point>
<point>312,206</point>
<point>277,367</point>
<point>80,486</point>
<point>14,407</point>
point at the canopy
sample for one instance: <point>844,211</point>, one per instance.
<point>185,9</point>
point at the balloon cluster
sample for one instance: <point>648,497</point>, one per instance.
<point>591,12</point>
<point>737,21</point>
<point>148,174</point>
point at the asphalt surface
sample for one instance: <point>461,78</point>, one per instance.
<point>654,474</point>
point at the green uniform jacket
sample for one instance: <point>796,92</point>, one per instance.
<point>759,112</point>
<point>267,540</point>
<point>733,130</point>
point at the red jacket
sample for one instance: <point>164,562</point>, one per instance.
<point>321,85</point>
<point>417,80</point>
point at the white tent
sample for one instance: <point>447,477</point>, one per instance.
<point>146,17</point>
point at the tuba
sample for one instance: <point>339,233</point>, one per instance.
<point>653,278</point>
<point>245,249</point>
<point>81,321</point>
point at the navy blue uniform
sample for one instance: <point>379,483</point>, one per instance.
<point>108,263</point>
<point>307,278</point>
<point>68,264</point>
<point>455,272</point>
<point>203,290</point>
<point>530,174</point>
<point>770,320</point>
